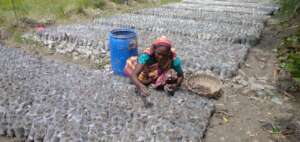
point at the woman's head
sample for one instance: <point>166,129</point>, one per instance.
<point>162,48</point>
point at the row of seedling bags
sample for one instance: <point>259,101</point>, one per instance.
<point>263,7</point>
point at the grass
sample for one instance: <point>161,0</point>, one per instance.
<point>289,50</point>
<point>19,16</point>
<point>168,1</point>
<point>14,10</point>
<point>37,8</point>
<point>289,8</point>
<point>289,55</point>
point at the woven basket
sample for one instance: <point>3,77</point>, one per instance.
<point>204,85</point>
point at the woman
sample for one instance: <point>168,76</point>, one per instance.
<point>158,65</point>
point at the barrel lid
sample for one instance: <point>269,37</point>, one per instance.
<point>123,33</point>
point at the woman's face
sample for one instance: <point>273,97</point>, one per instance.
<point>161,53</point>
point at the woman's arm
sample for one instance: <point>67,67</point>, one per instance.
<point>134,77</point>
<point>176,65</point>
<point>179,79</point>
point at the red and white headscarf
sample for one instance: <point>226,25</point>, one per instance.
<point>162,41</point>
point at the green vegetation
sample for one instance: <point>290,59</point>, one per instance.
<point>14,10</point>
<point>37,9</point>
<point>275,129</point>
<point>289,55</point>
<point>168,1</point>
<point>289,8</point>
<point>19,16</point>
<point>289,50</point>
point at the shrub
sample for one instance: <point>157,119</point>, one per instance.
<point>289,55</point>
<point>289,8</point>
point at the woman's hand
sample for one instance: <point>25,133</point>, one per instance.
<point>145,73</point>
<point>134,77</point>
<point>144,91</point>
<point>171,87</point>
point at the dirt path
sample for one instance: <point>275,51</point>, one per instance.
<point>7,139</point>
<point>246,108</point>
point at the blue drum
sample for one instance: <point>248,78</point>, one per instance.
<point>123,45</point>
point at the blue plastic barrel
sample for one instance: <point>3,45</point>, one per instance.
<point>123,45</point>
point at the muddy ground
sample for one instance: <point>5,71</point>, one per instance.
<point>246,112</point>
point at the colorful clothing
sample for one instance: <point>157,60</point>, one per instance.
<point>146,59</point>
<point>153,70</point>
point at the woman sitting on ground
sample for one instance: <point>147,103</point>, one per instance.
<point>157,65</point>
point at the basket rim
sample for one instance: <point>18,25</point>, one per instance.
<point>216,79</point>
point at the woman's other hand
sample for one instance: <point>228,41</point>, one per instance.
<point>144,91</point>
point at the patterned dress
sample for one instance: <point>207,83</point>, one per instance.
<point>153,70</point>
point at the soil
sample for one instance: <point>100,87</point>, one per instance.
<point>241,114</point>
<point>7,139</point>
